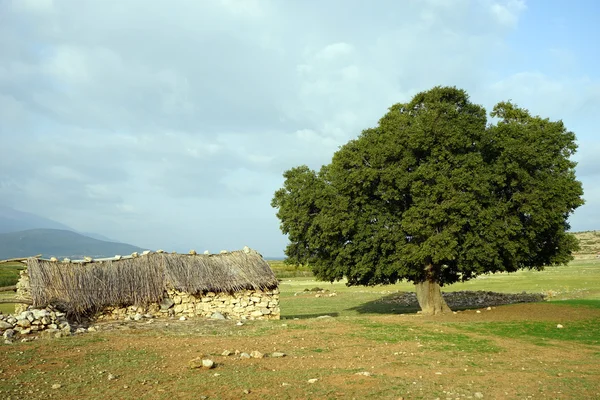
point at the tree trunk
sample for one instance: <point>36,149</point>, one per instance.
<point>429,296</point>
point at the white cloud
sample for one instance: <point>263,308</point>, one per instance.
<point>171,125</point>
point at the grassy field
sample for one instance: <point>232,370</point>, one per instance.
<point>354,344</point>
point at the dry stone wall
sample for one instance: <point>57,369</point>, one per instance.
<point>247,304</point>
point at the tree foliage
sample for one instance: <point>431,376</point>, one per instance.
<point>435,193</point>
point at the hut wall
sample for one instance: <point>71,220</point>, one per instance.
<point>247,304</point>
<point>23,291</point>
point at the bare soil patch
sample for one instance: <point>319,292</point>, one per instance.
<point>398,356</point>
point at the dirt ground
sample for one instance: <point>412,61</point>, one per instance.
<point>356,357</point>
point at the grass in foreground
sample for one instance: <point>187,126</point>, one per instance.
<point>509,352</point>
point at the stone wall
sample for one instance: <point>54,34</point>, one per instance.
<point>23,291</point>
<point>247,304</point>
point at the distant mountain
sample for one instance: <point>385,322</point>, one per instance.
<point>12,220</point>
<point>58,243</point>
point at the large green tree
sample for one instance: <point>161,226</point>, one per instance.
<point>435,195</point>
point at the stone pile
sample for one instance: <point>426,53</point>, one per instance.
<point>27,324</point>
<point>468,299</point>
<point>247,304</point>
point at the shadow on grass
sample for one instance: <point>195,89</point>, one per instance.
<point>309,316</point>
<point>385,305</point>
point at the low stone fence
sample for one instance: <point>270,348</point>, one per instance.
<point>247,304</point>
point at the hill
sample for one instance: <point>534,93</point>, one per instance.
<point>589,242</point>
<point>58,243</point>
<point>12,220</point>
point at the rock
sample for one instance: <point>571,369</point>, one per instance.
<point>246,391</point>
<point>5,325</point>
<point>39,314</point>
<point>24,323</point>
<point>25,331</point>
<point>111,377</point>
<point>246,249</point>
<point>478,395</point>
<point>148,316</point>
<point>489,308</point>
<point>245,355</point>
<point>277,354</point>
<point>324,316</point>
<point>256,314</point>
<point>240,323</point>
<point>312,380</point>
<point>559,326</point>
<point>206,252</point>
<point>81,330</point>
<point>256,354</point>
<point>217,315</point>
<point>208,364</point>
<point>137,317</point>
<point>363,373</point>
<point>223,252</point>
<point>92,329</point>
<point>478,312</point>
<point>193,252</point>
<point>56,386</point>
<point>7,341</point>
<point>226,353</point>
<point>182,318</point>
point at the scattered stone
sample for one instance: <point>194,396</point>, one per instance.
<point>489,308</point>
<point>92,329</point>
<point>324,316</point>
<point>166,303</point>
<point>137,317</point>
<point>8,341</point>
<point>56,386</point>
<point>208,364</point>
<point>217,315</point>
<point>5,325</point>
<point>240,323</point>
<point>111,377</point>
<point>478,312</point>
<point>559,326</point>
<point>313,380</point>
<point>226,353</point>
<point>256,354</point>
<point>363,373</point>
<point>277,354</point>
<point>81,330</point>
<point>182,318</point>
<point>246,391</point>
<point>9,333</point>
<point>478,395</point>
<point>245,355</point>
<point>125,387</point>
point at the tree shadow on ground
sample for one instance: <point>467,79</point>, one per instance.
<point>385,305</point>
<point>406,303</point>
<point>309,316</point>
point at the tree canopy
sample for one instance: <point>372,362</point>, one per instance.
<point>435,193</point>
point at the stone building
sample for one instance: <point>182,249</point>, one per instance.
<point>237,285</point>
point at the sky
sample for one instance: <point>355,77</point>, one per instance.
<point>169,124</point>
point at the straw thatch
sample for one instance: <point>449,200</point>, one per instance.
<point>86,288</point>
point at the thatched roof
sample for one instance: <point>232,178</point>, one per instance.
<point>85,287</point>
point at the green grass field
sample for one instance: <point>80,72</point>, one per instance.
<point>513,351</point>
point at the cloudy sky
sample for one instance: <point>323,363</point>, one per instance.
<point>169,124</point>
